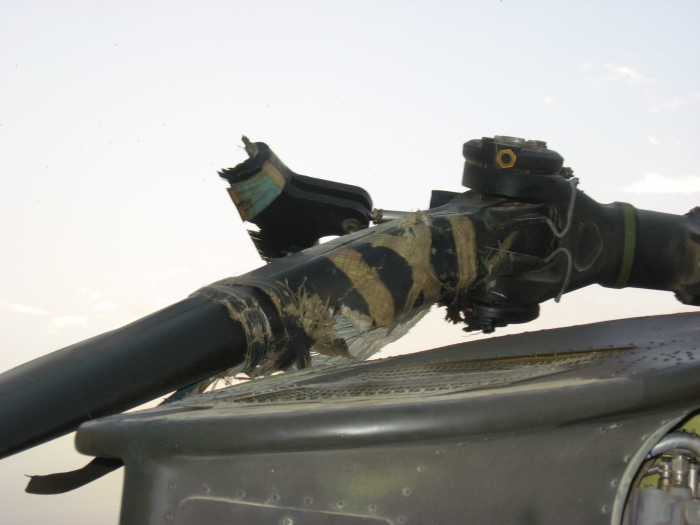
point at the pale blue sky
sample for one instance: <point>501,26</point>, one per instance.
<point>115,116</point>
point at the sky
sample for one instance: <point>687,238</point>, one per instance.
<point>115,117</point>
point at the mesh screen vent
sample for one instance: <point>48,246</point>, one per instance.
<point>432,378</point>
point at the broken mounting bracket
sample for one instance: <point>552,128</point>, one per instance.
<point>292,211</point>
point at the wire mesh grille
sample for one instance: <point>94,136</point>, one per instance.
<point>431,378</point>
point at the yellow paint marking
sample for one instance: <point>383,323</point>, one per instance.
<point>367,282</point>
<point>413,245</point>
<point>465,241</point>
<point>274,173</point>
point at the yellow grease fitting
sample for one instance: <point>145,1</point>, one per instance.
<point>509,162</point>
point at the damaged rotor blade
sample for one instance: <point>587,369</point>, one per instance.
<point>353,295</point>
<point>339,300</point>
<point>170,349</point>
<point>490,259</point>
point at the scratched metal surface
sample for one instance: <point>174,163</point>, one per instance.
<point>543,427</point>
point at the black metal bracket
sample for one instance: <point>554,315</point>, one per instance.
<point>292,212</point>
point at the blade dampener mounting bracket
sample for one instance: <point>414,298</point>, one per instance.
<point>291,211</point>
